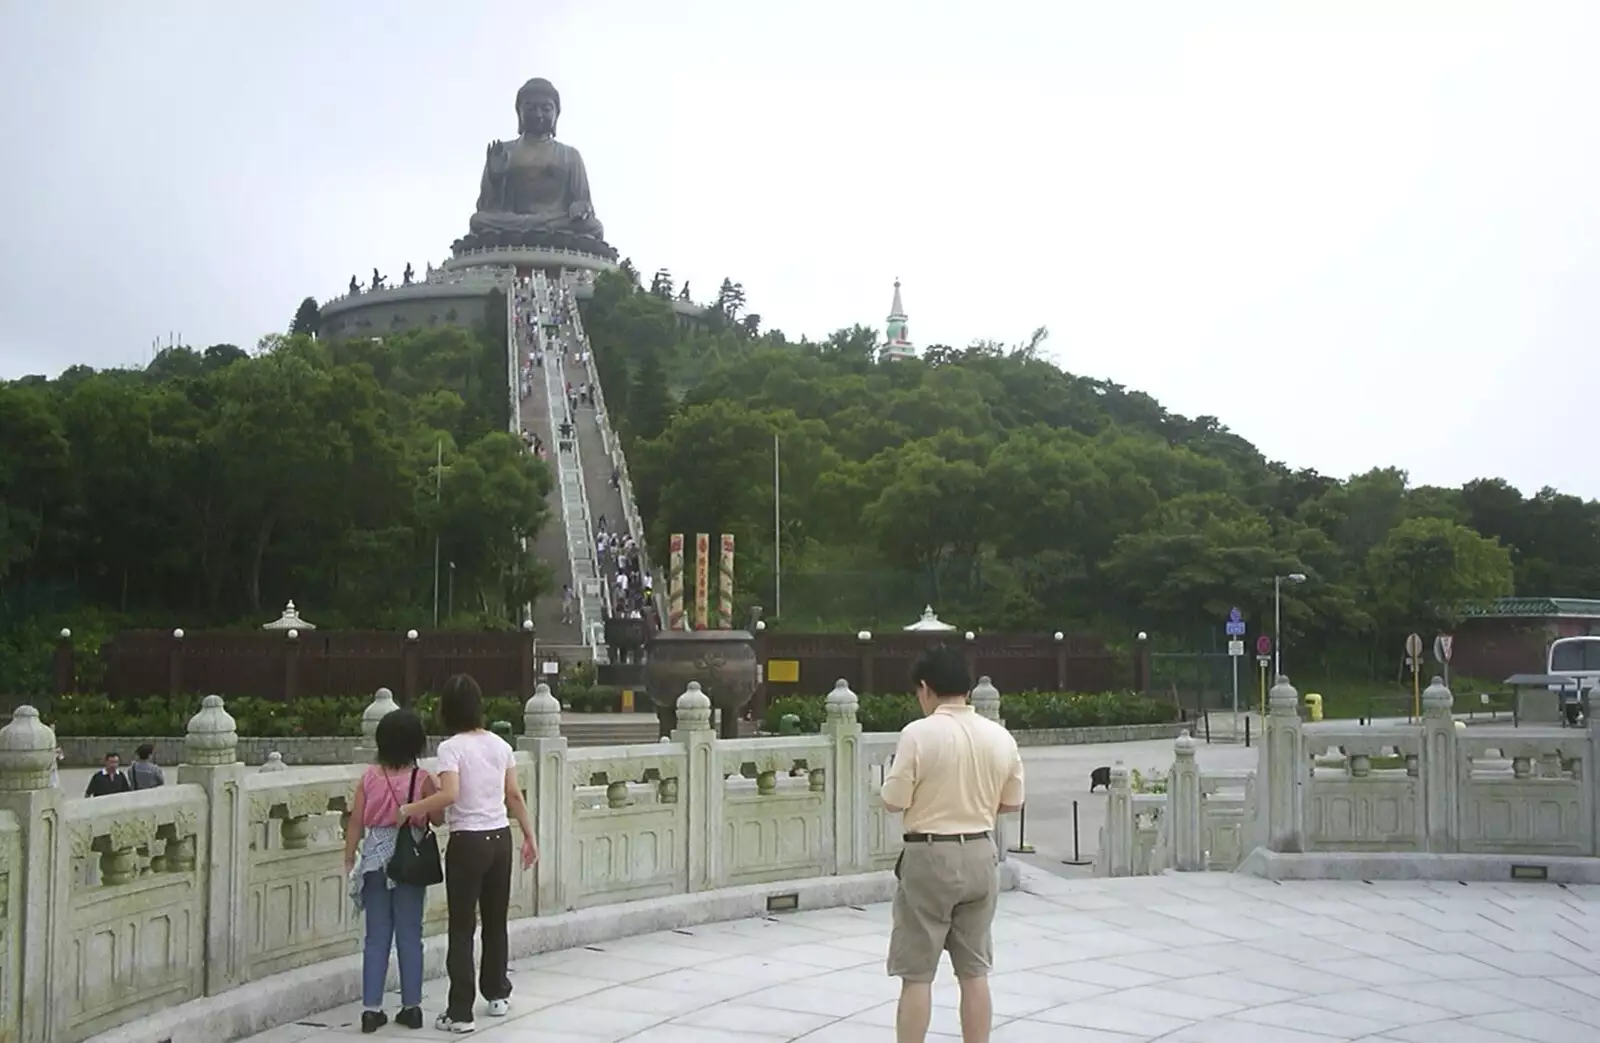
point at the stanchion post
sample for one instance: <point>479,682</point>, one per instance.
<point>1022,847</point>
<point>1208,727</point>
<point>1247,731</point>
<point>1077,858</point>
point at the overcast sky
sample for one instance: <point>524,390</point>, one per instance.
<point>1361,234</point>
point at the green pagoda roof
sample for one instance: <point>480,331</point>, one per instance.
<point>1536,608</point>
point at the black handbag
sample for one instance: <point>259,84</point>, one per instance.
<point>416,861</point>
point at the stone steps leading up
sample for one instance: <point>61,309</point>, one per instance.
<point>619,730</point>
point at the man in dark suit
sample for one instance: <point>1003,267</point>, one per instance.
<point>109,780</point>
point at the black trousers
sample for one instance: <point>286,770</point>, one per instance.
<point>477,884</point>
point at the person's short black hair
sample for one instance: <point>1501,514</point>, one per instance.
<point>110,754</point>
<point>400,738</point>
<point>461,705</point>
<point>944,670</point>
<point>145,751</point>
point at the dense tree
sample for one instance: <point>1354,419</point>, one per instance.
<point>1020,495</point>
<point>211,487</point>
<point>307,319</point>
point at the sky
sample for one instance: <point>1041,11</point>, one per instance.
<point>1361,234</point>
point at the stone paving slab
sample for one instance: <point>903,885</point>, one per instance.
<point>1201,958</point>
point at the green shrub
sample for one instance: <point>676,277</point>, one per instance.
<point>88,714</point>
<point>1022,711</point>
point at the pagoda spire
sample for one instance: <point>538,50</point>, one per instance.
<point>897,341</point>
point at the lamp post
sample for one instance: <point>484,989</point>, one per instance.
<point>1277,619</point>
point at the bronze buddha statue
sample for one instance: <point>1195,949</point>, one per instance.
<point>535,190</point>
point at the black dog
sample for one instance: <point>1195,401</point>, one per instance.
<point>1099,777</point>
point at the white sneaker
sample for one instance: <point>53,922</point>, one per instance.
<point>499,1008</point>
<point>446,1023</point>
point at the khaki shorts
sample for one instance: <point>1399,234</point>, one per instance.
<point>945,903</point>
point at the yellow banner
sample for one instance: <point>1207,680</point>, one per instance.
<point>702,581</point>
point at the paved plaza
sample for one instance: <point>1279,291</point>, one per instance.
<point>1205,958</point>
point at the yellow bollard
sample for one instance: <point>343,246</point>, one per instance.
<point>627,700</point>
<point>1314,705</point>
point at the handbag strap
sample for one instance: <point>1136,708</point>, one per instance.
<point>389,782</point>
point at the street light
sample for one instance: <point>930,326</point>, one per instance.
<point>1277,620</point>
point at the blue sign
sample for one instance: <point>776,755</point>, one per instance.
<point>1235,627</point>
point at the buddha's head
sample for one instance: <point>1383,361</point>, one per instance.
<point>538,107</point>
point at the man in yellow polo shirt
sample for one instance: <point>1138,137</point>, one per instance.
<point>953,772</point>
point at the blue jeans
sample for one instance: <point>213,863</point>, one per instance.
<point>394,919</point>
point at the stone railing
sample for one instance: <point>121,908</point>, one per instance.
<point>529,255</point>
<point>112,908</point>
<point>437,284</point>
<point>1436,787</point>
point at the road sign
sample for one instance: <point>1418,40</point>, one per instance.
<point>1263,660</point>
<point>1414,645</point>
<point>1263,645</point>
<point>1235,624</point>
<point>1236,648</point>
<point>1443,645</point>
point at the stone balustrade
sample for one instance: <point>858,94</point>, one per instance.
<point>113,908</point>
<point>1433,787</point>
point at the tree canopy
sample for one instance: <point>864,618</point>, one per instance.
<point>1015,495</point>
<point>211,487</point>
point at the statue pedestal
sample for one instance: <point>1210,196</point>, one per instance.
<point>723,661</point>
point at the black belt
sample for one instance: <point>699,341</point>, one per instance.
<point>943,838</point>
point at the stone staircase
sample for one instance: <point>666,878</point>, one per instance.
<point>608,729</point>
<point>621,729</point>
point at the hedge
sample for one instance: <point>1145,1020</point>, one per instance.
<point>1022,711</point>
<point>88,714</point>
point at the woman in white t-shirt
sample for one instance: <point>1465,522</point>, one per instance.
<point>477,787</point>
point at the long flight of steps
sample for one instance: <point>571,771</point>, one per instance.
<point>620,729</point>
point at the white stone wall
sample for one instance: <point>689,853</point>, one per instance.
<point>112,908</point>
<point>1432,787</point>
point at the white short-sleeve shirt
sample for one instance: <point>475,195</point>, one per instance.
<point>480,759</point>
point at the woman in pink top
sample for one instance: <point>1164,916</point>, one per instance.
<point>477,787</point>
<point>393,910</point>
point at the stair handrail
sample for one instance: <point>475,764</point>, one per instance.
<point>619,461</point>
<point>570,464</point>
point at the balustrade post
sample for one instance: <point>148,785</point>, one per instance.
<point>1115,857</point>
<point>550,799</point>
<point>38,910</point>
<point>1439,794</point>
<point>703,787</point>
<point>382,705</point>
<point>211,761</point>
<point>1282,769</point>
<point>1185,810</point>
<point>846,778</point>
<point>985,698</point>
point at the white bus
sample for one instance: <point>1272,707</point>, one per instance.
<point>1576,657</point>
